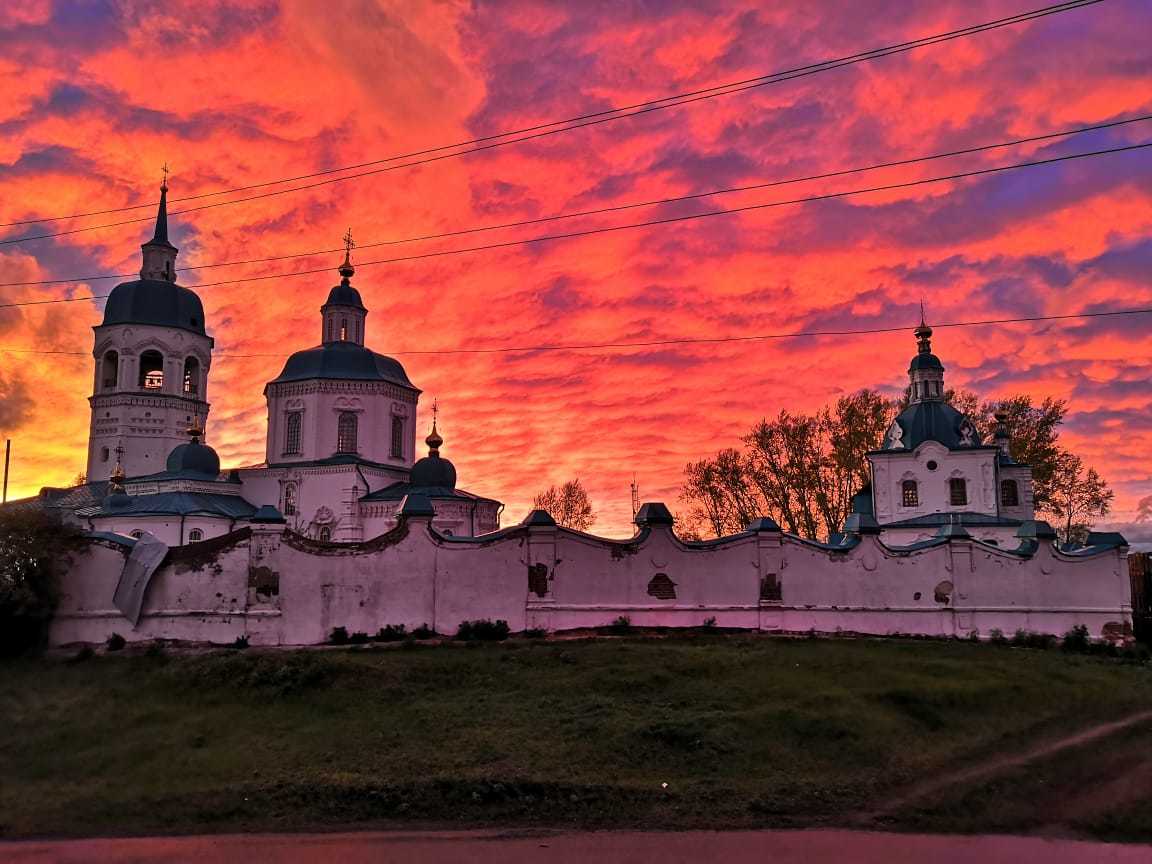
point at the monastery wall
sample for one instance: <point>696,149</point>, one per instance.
<point>280,588</point>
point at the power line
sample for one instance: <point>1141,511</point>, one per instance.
<point>566,125</point>
<point>631,226</point>
<point>702,340</point>
<point>617,207</point>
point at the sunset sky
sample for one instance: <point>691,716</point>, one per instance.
<point>96,96</point>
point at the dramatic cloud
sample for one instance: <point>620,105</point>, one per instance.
<point>98,95</point>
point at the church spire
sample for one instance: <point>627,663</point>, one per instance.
<point>926,372</point>
<point>434,441</point>
<point>158,253</point>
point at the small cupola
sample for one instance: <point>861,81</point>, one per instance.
<point>925,372</point>
<point>433,470</point>
<point>158,254</point>
<point>194,458</point>
<point>343,314</point>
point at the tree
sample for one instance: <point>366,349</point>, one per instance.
<point>1077,496</point>
<point>568,505</point>
<point>800,469</point>
<point>35,547</point>
<point>1144,509</point>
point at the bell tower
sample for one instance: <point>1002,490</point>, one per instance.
<point>152,356</point>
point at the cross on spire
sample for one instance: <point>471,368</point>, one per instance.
<point>349,244</point>
<point>164,182</point>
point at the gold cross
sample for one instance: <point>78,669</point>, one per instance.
<point>164,183</point>
<point>349,243</point>
<point>435,410</point>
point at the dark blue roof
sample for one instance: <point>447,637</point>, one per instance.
<point>344,295</point>
<point>433,470</point>
<point>965,518</point>
<point>933,420</point>
<point>182,504</point>
<point>397,491</point>
<point>925,361</point>
<point>154,301</point>
<point>342,360</point>
<point>194,460</point>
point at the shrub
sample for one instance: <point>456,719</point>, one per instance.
<point>482,630</point>
<point>391,633</point>
<point>1028,639</point>
<point>996,636</point>
<point>710,622</point>
<point>35,548</point>
<point>973,635</point>
<point>1076,640</point>
<point>338,636</point>
<point>424,632</point>
<point>621,625</point>
<point>535,633</point>
<point>240,642</point>
<point>358,638</point>
<point>115,642</point>
<point>156,649</point>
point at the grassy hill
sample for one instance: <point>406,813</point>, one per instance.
<point>745,731</point>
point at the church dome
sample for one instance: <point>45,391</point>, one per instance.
<point>936,420</point>
<point>342,360</point>
<point>157,302</point>
<point>925,361</point>
<point>433,470</point>
<point>344,295</point>
<point>194,458</point>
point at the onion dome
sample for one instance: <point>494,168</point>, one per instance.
<point>342,360</point>
<point>194,458</point>
<point>433,470</point>
<point>924,358</point>
<point>344,294</point>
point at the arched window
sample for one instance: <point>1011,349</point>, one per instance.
<point>343,329</point>
<point>1009,493</point>
<point>324,535</point>
<point>398,437</point>
<point>110,371</point>
<point>910,493</point>
<point>346,433</point>
<point>151,370</point>
<point>191,376</point>
<point>957,491</point>
<point>292,433</point>
<point>195,535</point>
<point>289,508</point>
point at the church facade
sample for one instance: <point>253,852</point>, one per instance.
<point>345,524</point>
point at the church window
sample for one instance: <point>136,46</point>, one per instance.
<point>343,329</point>
<point>103,454</point>
<point>358,339</point>
<point>324,535</point>
<point>398,437</point>
<point>346,432</point>
<point>957,491</point>
<point>110,371</point>
<point>1009,493</point>
<point>292,434</point>
<point>289,507</point>
<point>151,370</point>
<point>191,376</point>
<point>195,535</point>
<point>910,493</point>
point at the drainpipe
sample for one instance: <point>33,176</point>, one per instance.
<point>183,516</point>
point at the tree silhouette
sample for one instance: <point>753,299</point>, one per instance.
<point>568,505</point>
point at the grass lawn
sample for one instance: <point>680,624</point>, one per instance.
<point>746,731</point>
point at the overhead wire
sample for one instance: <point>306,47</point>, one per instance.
<point>635,225</point>
<point>595,118</point>
<point>615,207</point>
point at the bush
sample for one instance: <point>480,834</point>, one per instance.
<point>115,642</point>
<point>338,636</point>
<point>482,630</point>
<point>391,633</point>
<point>35,548</point>
<point>358,638</point>
<point>621,626</point>
<point>1028,639</point>
<point>973,635</point>
<point>424,632</point>
<point>535,633</point>
<point>710,623</point>
<point>1076,640</point>
<point>156,649</point>
<point>996,636</point>
<point>240,642</point>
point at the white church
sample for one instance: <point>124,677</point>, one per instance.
<point>341,442</point>
<point>343,526</point>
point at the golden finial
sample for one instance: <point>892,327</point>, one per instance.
<point>434,440</point>
<point>164,182</point>
<point>346,269</point>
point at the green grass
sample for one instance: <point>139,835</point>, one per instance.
<point>746,731</point>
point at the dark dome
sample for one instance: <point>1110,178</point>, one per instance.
<point>344,295</point>
<point>925,361</point>
<point>342,360</point>
<point>933,420</point>
<point>194,458</point>
<point>154,301</point>
<point>433,470</point>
